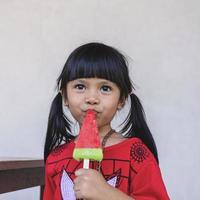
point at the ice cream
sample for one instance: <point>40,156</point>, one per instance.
<point>88,145</point>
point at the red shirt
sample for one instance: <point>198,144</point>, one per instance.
<point>128,166</point>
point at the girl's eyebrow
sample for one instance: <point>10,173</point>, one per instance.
<point>99,82</point>
<point>79,80</point>
<point>105,82</point>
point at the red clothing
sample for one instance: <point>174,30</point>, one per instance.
<point>128,166</point>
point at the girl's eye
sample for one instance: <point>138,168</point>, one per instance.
<point>79,87</point>
<point>106,88</point>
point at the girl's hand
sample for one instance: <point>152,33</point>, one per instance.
<point>90,184</point>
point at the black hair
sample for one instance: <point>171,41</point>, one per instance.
<point>101,61</point>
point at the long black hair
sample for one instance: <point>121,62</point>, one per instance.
<point>101,61</point>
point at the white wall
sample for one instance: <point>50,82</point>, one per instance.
<point>161,37</point>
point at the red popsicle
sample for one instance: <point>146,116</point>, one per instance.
<point>88,145</point>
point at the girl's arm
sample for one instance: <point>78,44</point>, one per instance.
<point>148,182</point>
<point>90,184</point>
<point>49,189</point>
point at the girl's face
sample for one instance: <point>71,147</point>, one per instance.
<point>101,95</point>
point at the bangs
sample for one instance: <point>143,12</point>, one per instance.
<point>96,60</point>
<point>93,68</point>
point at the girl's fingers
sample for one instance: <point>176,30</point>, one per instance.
<point>78,194</point>
<point>77,190</point>
<point>85,180</point>
<point>82,171</point>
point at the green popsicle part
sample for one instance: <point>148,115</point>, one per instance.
<point>88,153</point>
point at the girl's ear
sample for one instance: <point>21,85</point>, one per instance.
<point>66,102</point>
<point>64,98</point>
<point>121,104</point>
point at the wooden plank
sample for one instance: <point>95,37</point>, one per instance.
<point>19,164</point>
<point>16,175</point>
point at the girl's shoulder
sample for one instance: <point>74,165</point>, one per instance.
<point>132,150</point>
<point>140,155</point>
<point>61,152</point>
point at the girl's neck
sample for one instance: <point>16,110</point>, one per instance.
<point>110,138</point>
<point>104,130</point>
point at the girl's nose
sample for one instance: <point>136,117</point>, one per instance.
<point>92,100</point>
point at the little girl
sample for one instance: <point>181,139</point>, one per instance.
<point>96,77</point>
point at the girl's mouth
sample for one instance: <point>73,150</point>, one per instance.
<point>97,112</point>
<point>94,109</point>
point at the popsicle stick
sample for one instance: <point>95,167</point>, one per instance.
<point>86,163</point>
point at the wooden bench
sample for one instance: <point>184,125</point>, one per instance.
<point>21,173</point>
